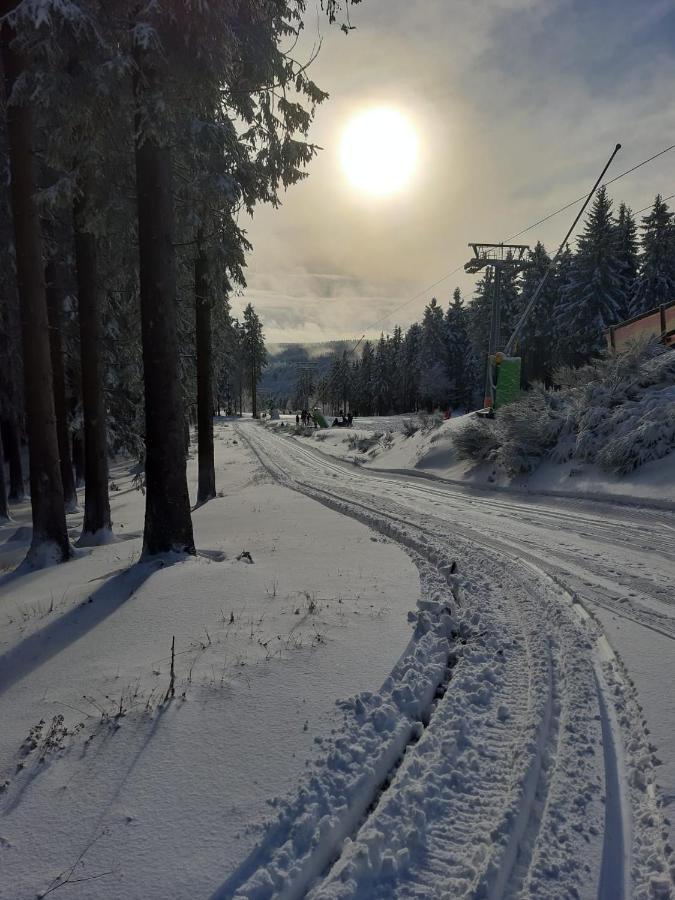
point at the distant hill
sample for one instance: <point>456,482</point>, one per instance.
<point>286,361</point>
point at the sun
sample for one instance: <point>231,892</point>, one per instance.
<point>379,151</point>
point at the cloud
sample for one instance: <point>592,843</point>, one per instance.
<point>518,103</point>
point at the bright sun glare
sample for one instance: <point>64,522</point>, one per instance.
<point>379,151</point>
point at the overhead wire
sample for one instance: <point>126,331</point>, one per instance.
<point>523,231</point>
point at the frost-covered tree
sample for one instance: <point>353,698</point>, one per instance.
<point>461,360</point>
<point>539,335</point>
<point>434,384</point>
<point>655,283</point>
<point>363,380</point>
<point>256,354</point>
<point>50,535</point>
<point>627,248</point>
<point>382,378</point>
<point>410,355</point>
<point>595,293</point>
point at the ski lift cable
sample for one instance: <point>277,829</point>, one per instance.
<point>579,199</point>
<point>533,299</point>
<point>407,303</point>
<point>517,234</point>
<point>651,205</point>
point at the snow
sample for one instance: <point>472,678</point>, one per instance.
<point>417,687</point>
<point>431,453</point>
<point>320,614</point>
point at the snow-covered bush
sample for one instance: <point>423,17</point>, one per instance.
<point>364,443</point>
<point>528,429</point>
<point>476,439</point>
<point>409,427</point>
<point>617,412</point>
<point>429,421</point>
<point>639,432</point>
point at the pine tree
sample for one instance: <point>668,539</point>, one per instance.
<point>4,509</point>
<point>655,283</point>
<point>594,295</point>
<point>434,383</point>
<point>364,381</point>
<point>461,361</point>
<point>206,477</point>
<point>627,246</point>
<point>411,356</point>
<point>256,354</point>
<point>538,337</point>
<point>382,379</point>
<point>49,521</point>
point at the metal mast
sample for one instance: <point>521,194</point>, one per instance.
<point>496,257</point>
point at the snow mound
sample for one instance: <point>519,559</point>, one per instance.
<point>618,413</point>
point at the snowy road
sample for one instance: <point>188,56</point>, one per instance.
<point>506,755</point>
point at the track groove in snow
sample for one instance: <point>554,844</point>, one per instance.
<point>503,794</point>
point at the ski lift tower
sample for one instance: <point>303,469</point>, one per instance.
<point>497,257</point>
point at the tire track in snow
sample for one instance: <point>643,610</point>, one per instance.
<point>541,723</point>
<point>529,849</point>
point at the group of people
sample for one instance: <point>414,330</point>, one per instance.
<point>306,418</point>
<point>344,421</point>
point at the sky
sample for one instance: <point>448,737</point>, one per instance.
<point>517,105</point>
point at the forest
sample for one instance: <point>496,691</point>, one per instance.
<point>617,270</point>
<point>133,138</point>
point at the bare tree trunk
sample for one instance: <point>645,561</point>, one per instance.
<point>254,388</point>
<point>4,509</point>
<point>12,443</point>
<point>96,526</point>
<point>54,306</point>
<point>49,519</point>
<point>168,525</point>
<point>78,456</point>
<point>206,486</point>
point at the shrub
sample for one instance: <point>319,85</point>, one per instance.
<point>476,440</point>
<point>364,443</point>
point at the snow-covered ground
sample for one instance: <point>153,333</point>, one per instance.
<point>430,452</point>
<point>502,663</point>
<point>163,800</point>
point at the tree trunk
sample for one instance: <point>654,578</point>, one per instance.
<point>78,456</point>
<point>168,525</point>
<point>254,392</point>
<point>4,509</point>
<point>96,501</point>
<point>206,485</point>
<point>54,294</point>
<point>49,520</point>
<point>12,445</point>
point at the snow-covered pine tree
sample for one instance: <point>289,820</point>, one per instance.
<point>50,534</point>
<point>256,353</point>
<point>382,378</point>
<point>538,337</point>
<point>461,361</point>
<point>595,293</point>
<point>655,283</point>
<point>4,508</point>
<point>411,352</point>
<point>11,372</point>
<point>627,247</point>
<point>434,385</point>
<point>363,387</point>
<point>395,348</point>
<point>55,289</point>
<point>340,381</point>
